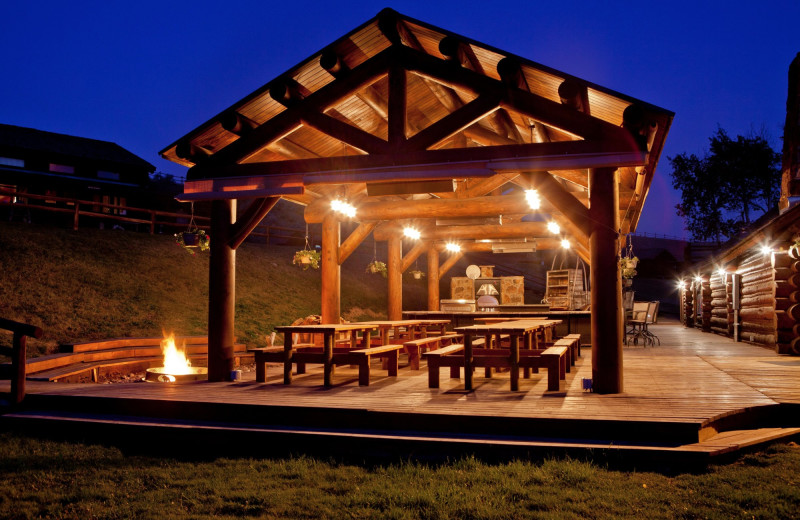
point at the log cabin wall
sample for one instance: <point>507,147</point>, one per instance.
<point>721,319</point>
<point>787,295</point>
<point>688,306</point>
<point>757,314</point>
<point>705,289</point>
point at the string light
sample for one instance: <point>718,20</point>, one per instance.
<point>453,247</point>
<point>553,227</point>
<point>533,198</point>
<point>345,208</point>
<point>412,233</point>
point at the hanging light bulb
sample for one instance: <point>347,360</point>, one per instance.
<point>553,227</point>
<point>412,233</point>
<point>453,247</point>
<point>565,243</point>
<point>343,207</point>
<point>532,196</point>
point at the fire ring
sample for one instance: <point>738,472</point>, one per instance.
<point>162,375</point>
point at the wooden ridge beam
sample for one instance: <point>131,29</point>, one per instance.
<point>453,123</point>
<point>537,107</point>
<point>289,120</point>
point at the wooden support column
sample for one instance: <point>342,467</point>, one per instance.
<point>395,275</point>
<point>221,291</point>
<point>433,278</point>
<point>331,270</point>
<point>606,321</point>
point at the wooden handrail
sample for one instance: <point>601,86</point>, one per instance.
<point>151,217</point>
<point>21,332</point>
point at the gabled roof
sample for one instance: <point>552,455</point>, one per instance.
<point>400,101</point>
<point>31,140</point>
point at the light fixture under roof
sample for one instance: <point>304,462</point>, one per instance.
<point>343,207</point>
<point>565,243</point>
<point>532,196</point>
<point>411,233</point>
<point>553,227</point>
<point>452,247</point>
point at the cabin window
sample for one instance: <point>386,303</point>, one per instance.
<point>10,161</point>
<point>61,168</point>
<point>103,174</point>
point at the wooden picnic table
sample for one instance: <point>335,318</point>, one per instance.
<point>519,331</point>
<point>397,330</point>
<point>326,357</point>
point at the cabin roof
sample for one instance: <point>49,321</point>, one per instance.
<point>397,101</point>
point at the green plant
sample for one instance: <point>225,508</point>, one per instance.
<point>193,239</point>
<point>417,274</point>
<point>307,258</point>
<point>628,266</point>
<point>376,266</point>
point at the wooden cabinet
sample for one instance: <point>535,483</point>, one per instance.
<point>565,290</point>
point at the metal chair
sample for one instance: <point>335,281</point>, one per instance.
<point>638,323</point>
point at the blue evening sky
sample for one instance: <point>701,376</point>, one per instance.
<point>144,73</point>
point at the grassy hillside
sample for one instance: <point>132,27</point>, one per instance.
<point>94,284</point>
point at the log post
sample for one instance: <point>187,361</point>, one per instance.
<point>331,270</point>
<point>395,276</point>
<point>221,291</point>
<point>606,321</point>
<point>433,278</point>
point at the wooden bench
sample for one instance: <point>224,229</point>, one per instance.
<point>572,349</point>
<point>555,360</point>
<point>577,347</point>
<point>361,357</point>
<point>304,353</point>
<point>444,357</point>
<point>414,347</point>
<point>274,354</point>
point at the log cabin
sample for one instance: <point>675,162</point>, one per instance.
<point>414,125</point>
<point>65,166</point>
<point>750,291</point>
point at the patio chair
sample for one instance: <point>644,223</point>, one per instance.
<point>638,323</point>
<point>652,317</point>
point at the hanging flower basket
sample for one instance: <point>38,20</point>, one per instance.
<point>376,266</point>
<point>193,240</point>
<point>627,265</point>
<point>417,275</point>
<point>306,258</point>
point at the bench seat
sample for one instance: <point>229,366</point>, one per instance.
<point>445,356</point>
<point>415,347</point>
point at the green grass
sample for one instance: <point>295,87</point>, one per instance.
<point>94,284</point>
<point>46,479</point>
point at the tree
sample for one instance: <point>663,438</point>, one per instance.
<point>721,191</point>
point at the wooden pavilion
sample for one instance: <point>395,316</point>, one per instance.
<point>413,124</point>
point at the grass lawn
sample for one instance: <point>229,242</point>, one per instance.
<point>46,479</point>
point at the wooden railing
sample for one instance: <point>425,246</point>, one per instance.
<point>152,218</point>
<point>17,351</point>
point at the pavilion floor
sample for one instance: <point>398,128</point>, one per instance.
<point>695,397</point>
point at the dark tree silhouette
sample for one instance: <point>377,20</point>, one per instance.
<point>733,181</point>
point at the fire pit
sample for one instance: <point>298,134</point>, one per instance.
<point>177,367</point>
<point>163,375</point>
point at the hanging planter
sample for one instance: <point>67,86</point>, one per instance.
<point>628,263</point>
<point>307,258</point>
<point>375,267</point>
<point>417,275</point>
<point>193,240</point>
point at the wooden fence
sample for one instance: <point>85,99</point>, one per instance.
<point>151,218</point>
<point>18,352</point>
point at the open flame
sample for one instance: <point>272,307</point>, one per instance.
<point>175,361</point>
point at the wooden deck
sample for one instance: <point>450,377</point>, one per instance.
<point>696,393</point>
